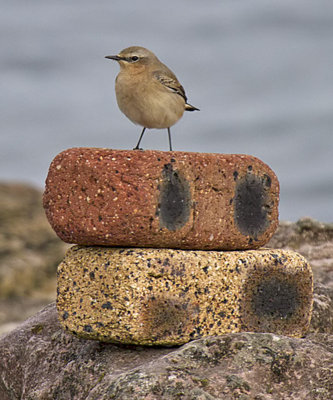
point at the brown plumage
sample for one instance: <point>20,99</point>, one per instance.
<point>148,92</point>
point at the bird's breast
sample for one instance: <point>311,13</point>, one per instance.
<point>148,103</point>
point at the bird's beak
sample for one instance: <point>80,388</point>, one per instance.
<point>117,58</point>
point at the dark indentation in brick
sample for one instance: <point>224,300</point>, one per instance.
<point>166,317</point>
<point>92,275</point>
<point>166,262</point>
<point>276,298</point>
<point>267,180</point>
<point>205,269</point>
<point>198,330</point>
<point>175,199</point>
<point>251,205</point>
<point>87,328</point>
<point>65,315</point>
<point>278,259</point>
<point>235,175</point>
<point>107,305</point>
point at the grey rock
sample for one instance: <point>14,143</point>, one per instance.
<point>312,239</point>
<point>29,254</point>
<point>322,313</point>
<point>41,361</point>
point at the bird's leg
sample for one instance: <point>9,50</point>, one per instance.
<point>169,134</point>
<point>137,146</point>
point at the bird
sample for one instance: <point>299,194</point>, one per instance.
<point>148,92</point>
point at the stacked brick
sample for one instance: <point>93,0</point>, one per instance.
<point>169,247</point>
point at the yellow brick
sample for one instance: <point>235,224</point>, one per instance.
<point>169,297</point>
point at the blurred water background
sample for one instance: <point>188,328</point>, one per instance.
<point>260,71</point>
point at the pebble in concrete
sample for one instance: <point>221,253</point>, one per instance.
<point>168,297</point>
<point>161,199</point>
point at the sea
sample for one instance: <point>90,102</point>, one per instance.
<point>260,71</point>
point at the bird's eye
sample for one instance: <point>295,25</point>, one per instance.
<point>134,58</point>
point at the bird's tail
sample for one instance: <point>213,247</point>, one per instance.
<point>189,107</point>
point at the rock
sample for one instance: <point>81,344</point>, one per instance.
<point>29,254</point>
<point>161,199</point>
<point>16,309</point>
<point>312,239</point>
<point>322,314</point>
<point>29,249</point>
<point>40,361</point>
<point>168,297</point>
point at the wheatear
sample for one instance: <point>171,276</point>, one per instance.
<point>148,92</point>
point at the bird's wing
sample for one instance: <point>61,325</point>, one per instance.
<point>169,81</point>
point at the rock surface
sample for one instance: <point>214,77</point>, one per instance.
<point>29,254</point>
<point>168,297</point>
<point>40,361</point>
<point>312,239</point>
<point>161,199</point>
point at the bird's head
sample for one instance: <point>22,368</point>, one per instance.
<point>134,58</point>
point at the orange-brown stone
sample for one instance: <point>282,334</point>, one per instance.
<point>161,199</point>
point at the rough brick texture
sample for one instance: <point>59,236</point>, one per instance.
<point>161,199</point>
<point>168,297</point>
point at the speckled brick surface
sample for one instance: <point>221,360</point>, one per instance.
<point>161,199</point>
<point>168,297</point>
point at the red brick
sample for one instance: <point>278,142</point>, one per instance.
<point>161,199</point>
